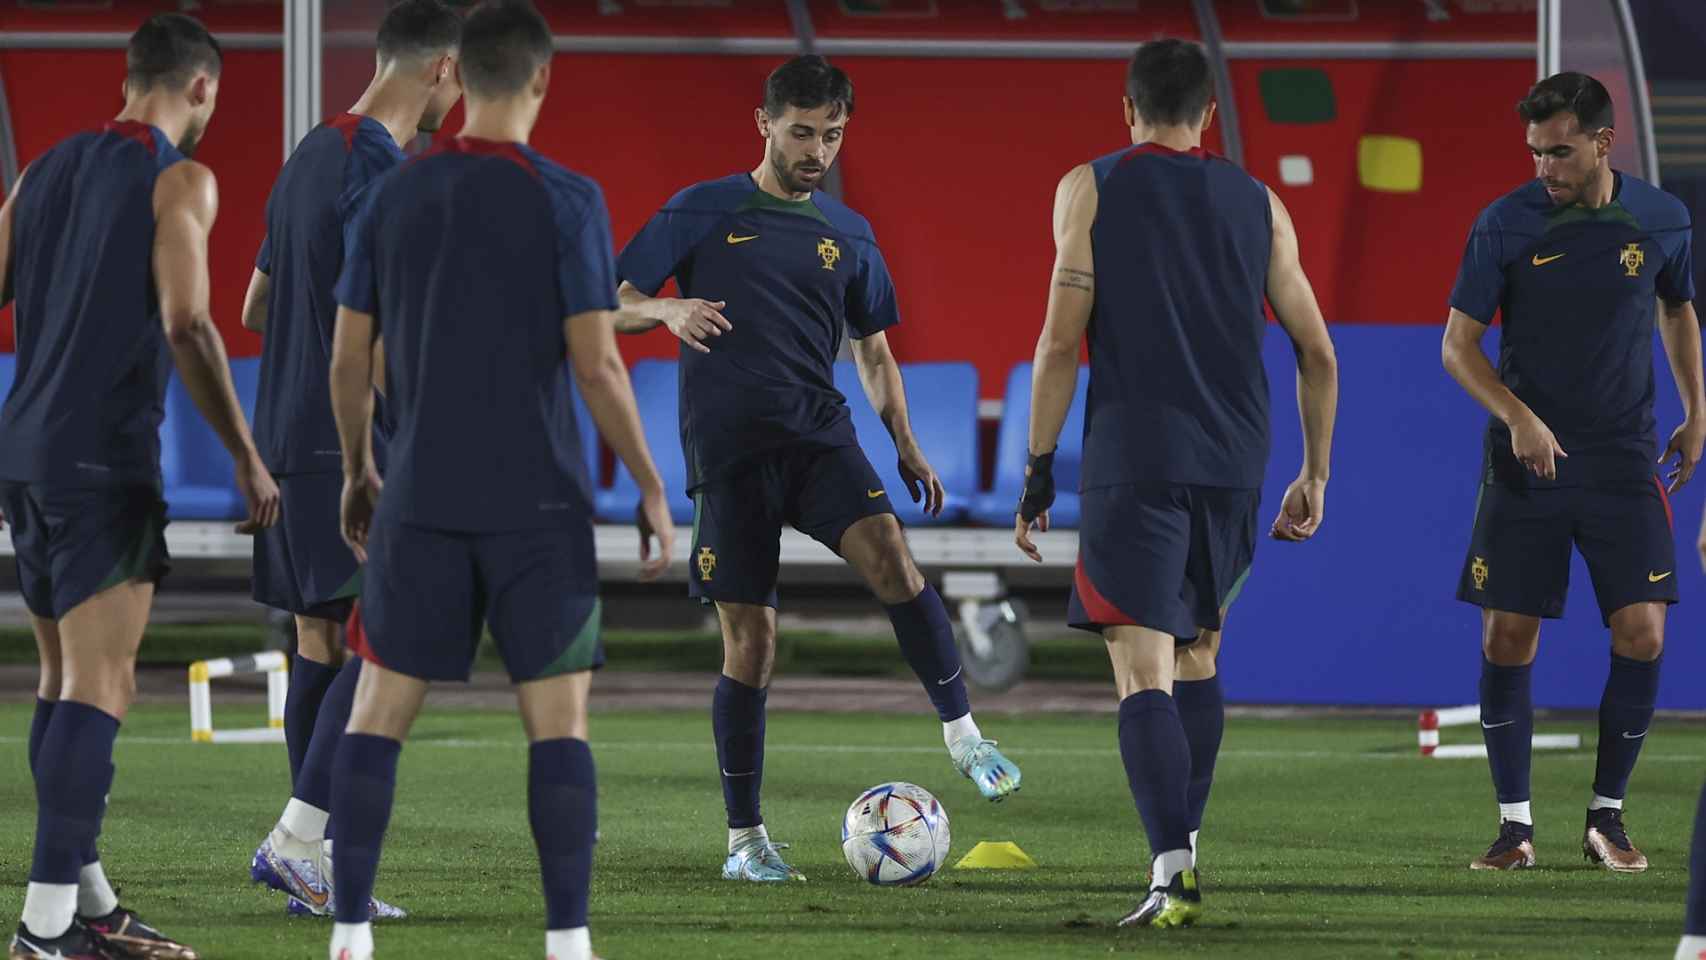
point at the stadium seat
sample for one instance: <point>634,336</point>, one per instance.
<point>8,369</point>
<point>193,463</point>
<point>997,507</point>
<point>656,390</point>
<point>942,401</point>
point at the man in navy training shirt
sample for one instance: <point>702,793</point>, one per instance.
<point>302,565</point>
<point>486,514</point>
<point>771,270</point>
<point>1577,261</point>
<point>103,245</point>
<point>1164,254</point>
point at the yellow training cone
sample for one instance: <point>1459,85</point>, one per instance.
<point>1005,855</point>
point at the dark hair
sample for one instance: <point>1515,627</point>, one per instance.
<point>1579,94</point>
<point>504,43</point>
<point>808,82</point>
<point>169,48</point>
<point>418,27</point>
<point>1169,82</point>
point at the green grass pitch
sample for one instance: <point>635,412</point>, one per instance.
<point>1325,838</point>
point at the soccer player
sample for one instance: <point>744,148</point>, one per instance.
<point>1576,260</point>
<point>1163,256</point>
<point>771,270</point>
<point>103,243</point>
<point>302,565</point>
<point>1693,944</point>
<point>478,264</point>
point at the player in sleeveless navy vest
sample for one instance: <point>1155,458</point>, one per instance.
<point>771,269</point>
<point>103,248</point>
<point>1581,263</point>
<point>302,566</point>
<point>478,263</point>
<point>1164,255</point>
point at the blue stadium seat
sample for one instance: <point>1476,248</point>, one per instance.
<point>8,370</point>
<point>997,507</point>
<point>942,402</point>
<point>193,463</point>
<point>656,390</point>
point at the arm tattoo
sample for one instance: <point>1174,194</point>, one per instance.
<point>1075,279</point>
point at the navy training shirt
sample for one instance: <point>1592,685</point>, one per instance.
<point>311,206</point>
<point>1577,288</point>
<point>471,256</point>
<point>793,274</point>
<point>92,362</point>
<point>1178,393</point>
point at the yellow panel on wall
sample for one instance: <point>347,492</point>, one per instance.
<point>1389,164</point>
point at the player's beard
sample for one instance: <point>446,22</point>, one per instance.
<point>785,174</point>
<point>191,138</point>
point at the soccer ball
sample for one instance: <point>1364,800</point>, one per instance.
<point>895,835</point>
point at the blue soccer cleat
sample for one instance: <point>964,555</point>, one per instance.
<point>978,761</point>
<point>307,881</point>
<point>760,862</point>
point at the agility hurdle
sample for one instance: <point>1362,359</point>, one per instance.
<point>1430,722</point>
<point>272,663</point>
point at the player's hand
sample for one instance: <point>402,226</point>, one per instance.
<point>260,494</point>
<point>695,321</point>
<point>1685,445</point>
<point>1034,503</point>
<point>1534,446</point>
<point>1022,534</point>
<point>653,519</point>
<point>920,478</point>
<point>1301,510</point>
<point>360,500</point>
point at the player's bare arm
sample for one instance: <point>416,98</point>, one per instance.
<point>1054,375</point>
<point>353,359</point>
<point>1679,330</point>
<point>879,374</point>
<point>186,201</point>
<point>603,381</point>
<point>1532,442</point>
<point>255,302</point>
<point>1293,301</point>
<point>693,321</point>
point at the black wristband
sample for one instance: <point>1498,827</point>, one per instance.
<point>1038,495</point>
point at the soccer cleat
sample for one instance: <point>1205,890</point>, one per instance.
<point>1178,904</point>
<point>1513,850</point>
<point>300,878</point>
<point>128,937</point>
<point>377,909</point>
<point>760,862</point>
<point>77,943</point>
<point>1606,842</point>
<point>978,761</point>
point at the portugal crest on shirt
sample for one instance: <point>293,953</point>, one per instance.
<point>1632,259</point>
<point>830,253</point>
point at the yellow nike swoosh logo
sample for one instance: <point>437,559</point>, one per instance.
<point>1656,577</point>
<point>734,239</point>
<point>873,494</point>
<point>1540,261</point>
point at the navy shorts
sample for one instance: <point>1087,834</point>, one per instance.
<point>302,564</point>
<point>428,593</point>
<point>1519,553</point>
<point>738,517</point>
<point>73,543</point>
<point>1168,557</point>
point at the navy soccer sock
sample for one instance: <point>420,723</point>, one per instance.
<point>737,722</point>
<point>1158,768</point>
<point>363,786</point>
<point>313,782</point>
<point>1696,923</point>
<point>562,805</point>
<point>926,638</point>
<point>38,729</point>
<point>309,681</point>
<point>1507,726</point>
<point>1625,712</point>
<point>1203,715</point>
<point>73,774</point>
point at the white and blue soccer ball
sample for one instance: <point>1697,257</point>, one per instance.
<point>895,835</point>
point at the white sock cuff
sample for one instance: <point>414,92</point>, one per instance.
<point>1517,813</point>
<point>1604,803</point>
<point>1692,947</point>
<point>304,821</point>
<point>49,908</point>
<point>572,944</point>
<point>953,731</point>
<point>1194,848</point>
<point>357,938</point>
<point>95,896</point>
<point>741,836</point>
<point>1169,864</point>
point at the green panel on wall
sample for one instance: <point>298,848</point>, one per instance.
<point>1298,95</point>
